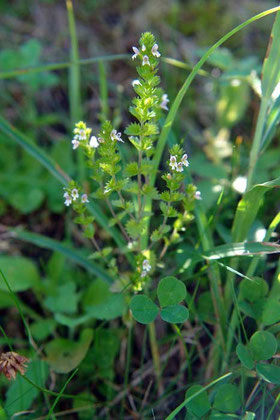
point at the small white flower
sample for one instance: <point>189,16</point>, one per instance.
<point>146,265</point>
<point>75,143</point>
<point>143,47</point>
<point>136,53</point>
<point>155,51</point>
<point>68,199</point>
<point>145,60</point>
<point>80,133</point>
<point>93,142</point>
<point>184,160</point>
<point>84,198</point>
<point>136,82</point>
<point>100,140</point>
<point>179,167</point>
<point>173,162</point>
<point>164,101</point>
<point>106,190</point>
<point>144,273</point>
<point>75,194</point>
<point>116,136</point>
<point>197,195</point>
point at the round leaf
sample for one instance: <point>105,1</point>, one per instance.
<point>227,399</point>
<point>175,314</point>
<point>144,310</point>
<point>271,312</point>
<point>199,405</point>
<point>263,345</point>
<point>171,291</point>
<point>244,356</point>
<point>20,273</point>
<point>270,373</point>
<point>253,290</point>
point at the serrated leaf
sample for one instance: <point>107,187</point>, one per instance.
<point>133,129</point>
<point>135,228</point>
<point>143,309</point>
<point>131,169</point>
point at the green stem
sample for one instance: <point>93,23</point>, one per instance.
<point>74,83</point>
<point>155,353</point>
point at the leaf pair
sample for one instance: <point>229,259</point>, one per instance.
<point>170,293</point>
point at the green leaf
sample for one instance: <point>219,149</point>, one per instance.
<point>205,308</point>
<point>227,399</point>
<point>21,393</point>
<point>171,291</point>
<point>253,290</point>
<point>244,356</point>
<point>263,345</point>
<point>200,405</point>
<point>249,416</point>
<point>64,355</point>
<point>27,199</point>
<point>248,207</point>
<point>40,330</point>
<point>65,300</point>
<point>144,310</point>
<point>135,228</point>
<point>270,373</point>
<point>111,308</point>
<point>69,252</point>
<point>20,273</point>
<point>271,66</point>
<point>271,311</point>
<point>175,314</point>
<point>72,322</point>
<point>58,173</point>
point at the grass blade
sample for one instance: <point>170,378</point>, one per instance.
<point>69,252</point>
<point>187,400</point>
<point>248,207</point>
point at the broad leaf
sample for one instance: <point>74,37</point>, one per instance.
<point>64,355</point>
<point>270,373</point>
<point>200,405</point>
<point>244,356</point>
<point>143,309</point>
<point>175,314</point>
<point>227,399</point>
<point>20,272</point>
<point>263,345</point>
<point>171,291</point>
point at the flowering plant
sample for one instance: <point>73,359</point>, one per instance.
<point>125,187</point>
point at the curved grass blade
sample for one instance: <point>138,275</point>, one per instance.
<point>248,207</point>
<point>187,400</point>
<point>61,176</point>
<point>60,394</point>
<point>69,252</point>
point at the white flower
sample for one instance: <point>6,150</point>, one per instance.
<point>155,51</point>
<point>145,60</point>
<point>136,53</point>
<point>75,194</point>
<point>116,136</point>
<point>143,47</point>
<point>68,199</point>
<point>100,140</point>
<point>80,133</point>
<point>106,190</point>
<point>173,162</point>
<point>146,265</point>
<point>164,101</point>
<point>184,160</point>
<point>197,195</point>
<point>84,198</point>
<point>93,142</point>
<point>136,82</point>
<point>179,167</point>
<point>75,142</point>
